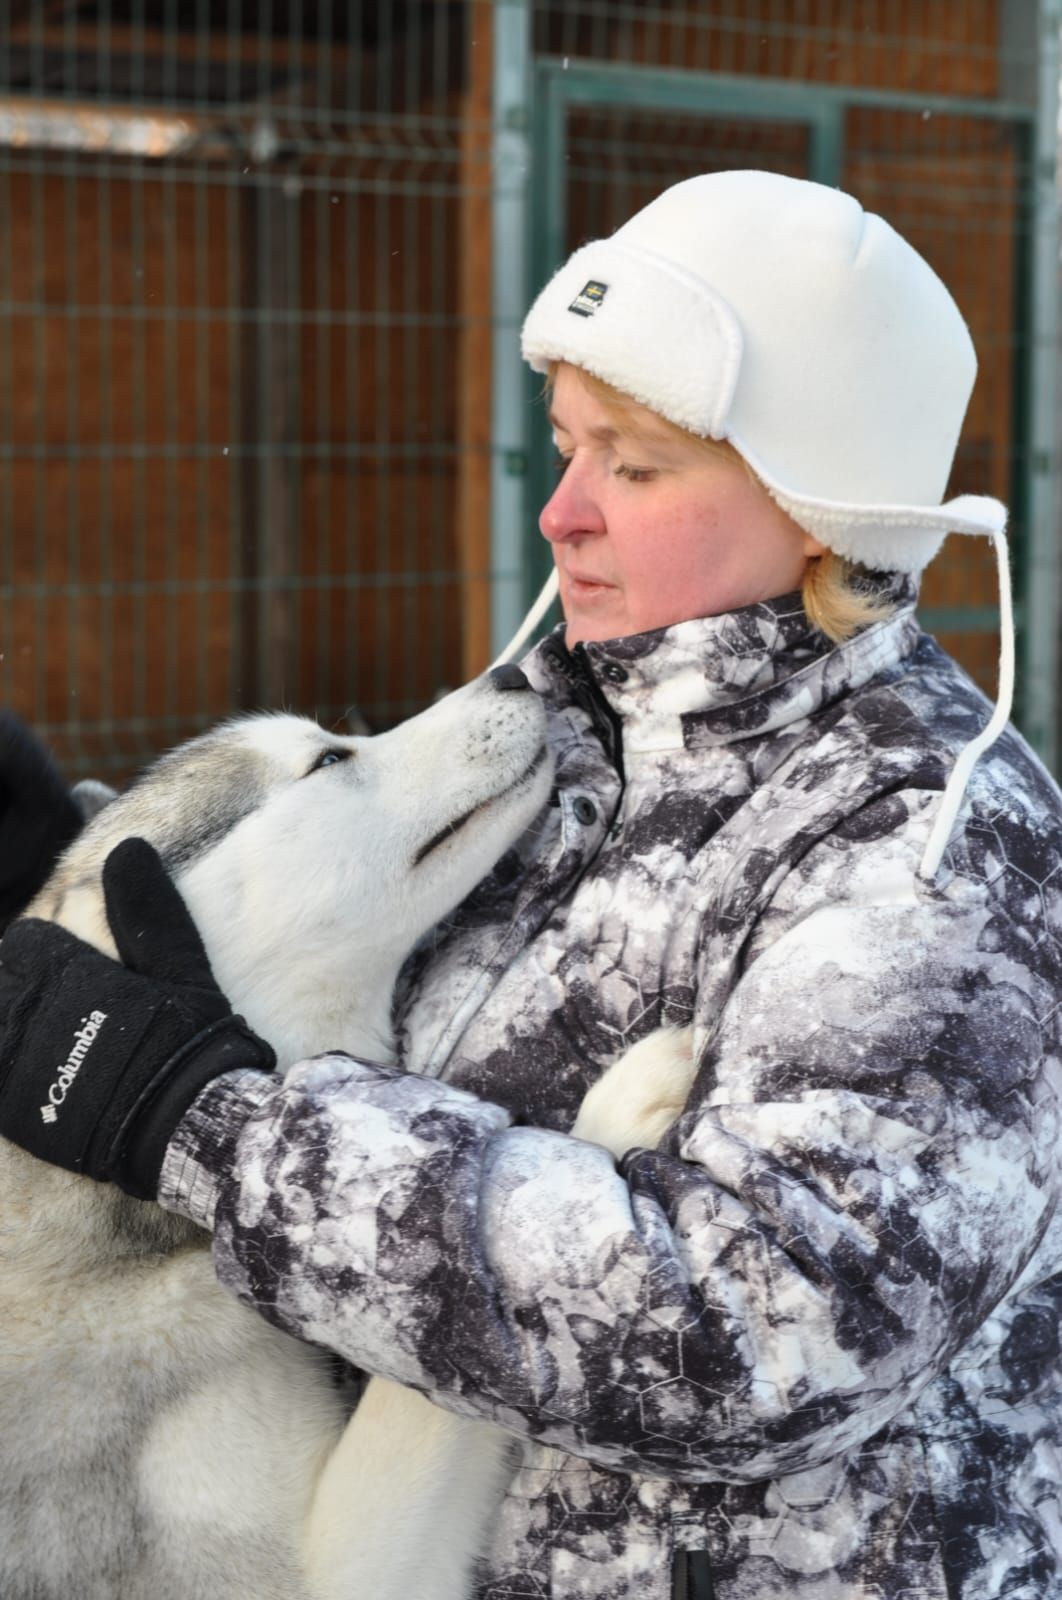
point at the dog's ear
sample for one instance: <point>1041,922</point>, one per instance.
<point>38,815</point>
<point>357,725</point>
<point>90,796</point>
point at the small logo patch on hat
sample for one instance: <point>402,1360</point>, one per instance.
<point>589,298</point>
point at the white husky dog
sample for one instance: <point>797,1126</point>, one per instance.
<point>159,1441</point>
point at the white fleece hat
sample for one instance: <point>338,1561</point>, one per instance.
<point>779,315</point>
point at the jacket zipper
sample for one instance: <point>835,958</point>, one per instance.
<point>691,1576</point>
<point>588,696</point>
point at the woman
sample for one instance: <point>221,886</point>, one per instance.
<point>809,1346</point>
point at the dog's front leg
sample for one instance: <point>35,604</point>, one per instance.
<point>404,1503</point>
<point>640,1095</point>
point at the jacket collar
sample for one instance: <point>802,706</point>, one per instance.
<point>717,679</point>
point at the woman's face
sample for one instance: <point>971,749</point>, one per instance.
<point>649,528</point>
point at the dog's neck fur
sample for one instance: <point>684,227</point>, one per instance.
<point>298,1021</point>
<point>345,1006</point>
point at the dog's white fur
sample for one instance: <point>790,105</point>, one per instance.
<point>158,1441</point>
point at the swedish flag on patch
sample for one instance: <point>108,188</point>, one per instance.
<point>589,298</point>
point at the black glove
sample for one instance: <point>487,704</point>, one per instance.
<point>99,1062</point>
<point>38,816</point>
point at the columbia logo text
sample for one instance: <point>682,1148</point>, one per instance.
<point>84,1039</point>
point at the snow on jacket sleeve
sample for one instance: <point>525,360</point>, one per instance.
<point>866,1164</point>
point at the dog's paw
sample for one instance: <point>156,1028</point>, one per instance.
<point>640,1095</point>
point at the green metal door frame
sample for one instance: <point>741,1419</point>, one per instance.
<point>1042,565</point>
<point>558,85</point>
<point>511,428</point>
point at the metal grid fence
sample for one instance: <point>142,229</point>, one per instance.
<point>227,364</point>
<point>246,323</point>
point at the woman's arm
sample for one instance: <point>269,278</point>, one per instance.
<point>866,1165</point>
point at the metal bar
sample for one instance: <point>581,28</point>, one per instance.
<point>384,183</point>
<point>549,212</point>
<point>405,260</point>
<point>41,387</point>
<point>171,407</point>
<point>171,127</point>
<point>680,89</point>
<point>826,146</point>
<point>105,233</point>
<point>352,290</point>
<point>72,358</point>
<point>509,296</point>
<point>474,345</point>
<point>204,359</point>
<point>294,450</point>
<point>252,50</point>
<point>1042,567</point>
<point>324,205</point>
<point>287,644</point>
<point>395,317</point>
<point>962,619</point>
<point>383,411</point>
<point>239,503</point>
<point>141,631</point>
<point>29,123</point>
<point>1020,453</point>
<point>276,376</point>
<point>280,583</point>
<point>441,606</point>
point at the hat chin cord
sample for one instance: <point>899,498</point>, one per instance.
<point>955,788</point>
<point>546,596</point>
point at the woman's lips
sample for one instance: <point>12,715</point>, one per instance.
<point>586,583</point>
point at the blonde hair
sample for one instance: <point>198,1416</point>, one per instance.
<point>836,594</point>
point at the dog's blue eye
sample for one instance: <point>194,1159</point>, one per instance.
<point>329,758</point>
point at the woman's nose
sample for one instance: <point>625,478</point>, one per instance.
<point>572,509</point>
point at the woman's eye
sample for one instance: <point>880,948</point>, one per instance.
<point>560,464</point>
<point>329,758</point>
<point>635,474</point>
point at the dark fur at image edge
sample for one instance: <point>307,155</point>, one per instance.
<point>38,816</point>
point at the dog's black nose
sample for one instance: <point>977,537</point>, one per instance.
<point>508,676</point>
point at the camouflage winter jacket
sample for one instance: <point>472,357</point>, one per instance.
<point>809,1347</point>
